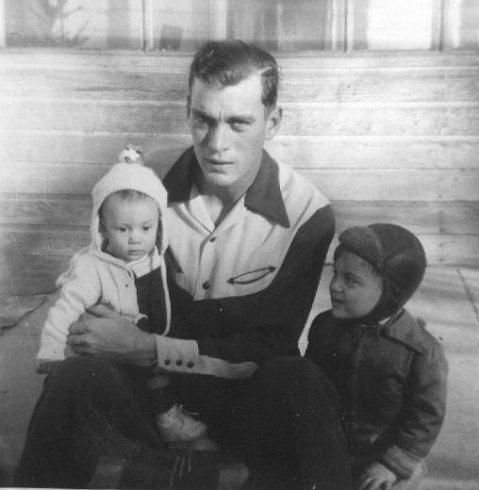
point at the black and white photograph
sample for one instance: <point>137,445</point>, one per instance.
<point>239,244</point>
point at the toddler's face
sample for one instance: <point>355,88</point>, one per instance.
<point>130,226</point>
<point>355,287</point>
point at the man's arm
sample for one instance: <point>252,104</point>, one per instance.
<point>271,322</point>
<point>230,337</point>
<point>103,333</point>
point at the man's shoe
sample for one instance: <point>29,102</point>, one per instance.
<point>176,425</point>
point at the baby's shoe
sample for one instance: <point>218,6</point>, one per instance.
<point>176,425</point>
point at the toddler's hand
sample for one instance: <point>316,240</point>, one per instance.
<point>377,477</point>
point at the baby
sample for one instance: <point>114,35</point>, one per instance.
<point>389,371</point>
<point>124,269</point>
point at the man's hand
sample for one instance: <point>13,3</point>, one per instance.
<point>377,477</point>
<point>103,333</point>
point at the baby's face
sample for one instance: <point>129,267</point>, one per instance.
<point>355,288</point>
<point>130,226</point>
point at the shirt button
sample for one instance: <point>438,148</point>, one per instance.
<point>179,362</point>
<point>213,239</point>
<point>167,362</point>
<point>220,309</point>
<point>206,285</point>
<point>190,364</point>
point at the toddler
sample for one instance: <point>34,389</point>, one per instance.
<point>389,371</point>
<point>124,269</point>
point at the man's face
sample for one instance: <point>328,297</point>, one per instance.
<point>229,126</point>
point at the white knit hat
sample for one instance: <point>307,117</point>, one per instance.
<point>129,174</point>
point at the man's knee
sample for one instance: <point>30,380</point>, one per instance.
<point>293,373</point>
<point>85,379</point>
<point>74,369</point>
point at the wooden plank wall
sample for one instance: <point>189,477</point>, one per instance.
<point>390,137</point>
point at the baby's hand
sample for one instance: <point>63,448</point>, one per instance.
<point>376,477</point>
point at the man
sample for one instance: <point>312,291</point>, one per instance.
<point>248,239</point>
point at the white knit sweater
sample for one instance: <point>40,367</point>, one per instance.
<point>94,277</point>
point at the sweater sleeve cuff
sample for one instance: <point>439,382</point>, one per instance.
<point>176,355</point>
<point>401,462</point>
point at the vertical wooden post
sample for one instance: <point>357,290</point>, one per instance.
<point>3,22</point>
<point>148,29</point>
<point>438,25</point>
<point>349,26</point>
<point>218,20</point>
<point>338,25</point>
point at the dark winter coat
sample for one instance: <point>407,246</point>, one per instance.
<point>392,381</point>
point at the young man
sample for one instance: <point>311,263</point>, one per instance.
<point>247,245</point>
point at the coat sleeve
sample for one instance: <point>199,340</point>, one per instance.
<point>80,289</point>
<point>272,323</point>
<point>421,419</point>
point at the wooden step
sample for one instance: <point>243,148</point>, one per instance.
<point>354,184</point>
<point>345,152</point>
<point>27,211</point>
<point>298,119</point>
<point>377,84</point>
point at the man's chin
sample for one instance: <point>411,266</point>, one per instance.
<point>219,179</point>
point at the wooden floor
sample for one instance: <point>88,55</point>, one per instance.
<point>448,300</point>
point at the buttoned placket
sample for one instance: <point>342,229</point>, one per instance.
<point>213,237</point>
<point>357,350</point>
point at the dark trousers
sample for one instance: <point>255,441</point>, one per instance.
<point>282,423</point>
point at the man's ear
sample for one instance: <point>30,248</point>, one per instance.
<point>101,227</point>
<point>273,122</point>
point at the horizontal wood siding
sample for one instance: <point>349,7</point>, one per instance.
<point>386,138</point>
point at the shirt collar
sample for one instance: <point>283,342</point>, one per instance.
<point>263,196</point>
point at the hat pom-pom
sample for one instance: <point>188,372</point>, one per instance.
<point>132,154</point>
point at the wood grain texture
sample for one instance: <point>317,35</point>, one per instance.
<point>459,84</point>
<point>35,273</point>
<point>387,137</point>
<point>342,151</point>
<point>299,119</point>
<point>422,217</point>
<point>341,184</point>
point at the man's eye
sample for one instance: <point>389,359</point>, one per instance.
<point>200,119</point>
<point>147,228</point>
<point>122,229</point>
<point>239,125</point>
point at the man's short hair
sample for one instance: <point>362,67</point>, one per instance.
<point>230,62</point>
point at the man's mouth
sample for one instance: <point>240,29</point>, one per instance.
<point>218,163</point>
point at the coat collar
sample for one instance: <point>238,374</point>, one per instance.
<point>401,327</point>
<point>263,196</point>
<point>408,330</point>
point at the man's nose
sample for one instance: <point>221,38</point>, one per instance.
<point>218,138</point>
